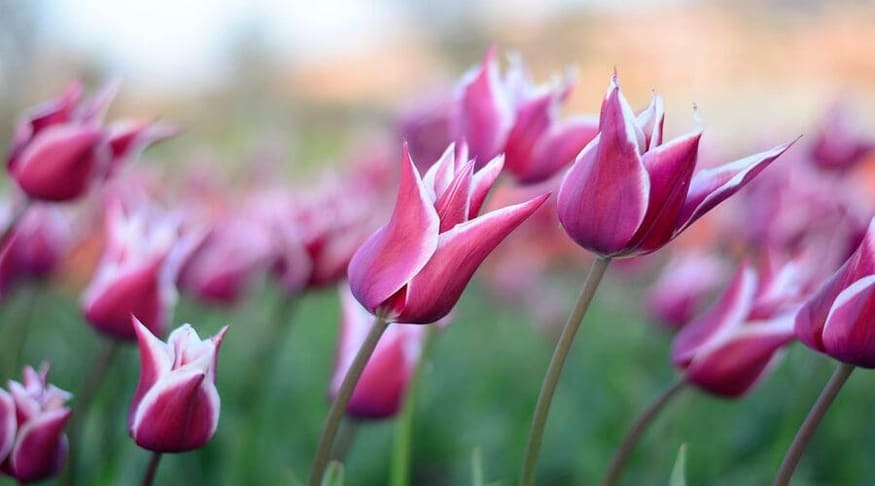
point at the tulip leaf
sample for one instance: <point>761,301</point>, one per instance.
<point>477,468</point>
<point>333,474</point>
<point>678,472</point>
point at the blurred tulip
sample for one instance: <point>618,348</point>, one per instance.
<point>128,139</point>
<point>381,389</point>
<point>426,126</point>
<point>514,116</point>
<point>176,404</point>
<point>837,319</point>
<point>415,268</point>
<point>685,282</point>
<point>36,417</point>
<point>629,194</point>
<point>35,247</point>
<point>838,144</point>
<point>137,272</point>
<point>729,347</point>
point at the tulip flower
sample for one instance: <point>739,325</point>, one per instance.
<point>35,246</point>
<point>629,194</point>
<point>415,268</point>
<point>685,282</point>
<point>381,389</point>
<point>176,404</point>
<point>137,273</point>
<point>728,348</point>
<point>33,445</point>
<point>510,114</point>
<point>838,145</point>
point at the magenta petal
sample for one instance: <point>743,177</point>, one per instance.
<point>53,112</point>
<point>155,359</point>
<point>559,147</point>
<point>452,206</point>
<point>128,141</point>
<point>849,333</point>
<point>434,291</point>
<point>59,163</point>
<point>730,310</point>
<point>439,176</point>
<point>41,447</point>
<point>651,121</point>
<point>533,118</point>
<point>95,109</point>
<point>485,116</point>
<point>670,167</point>
<point>710,187</point>
<point>482,183</point>
<point>394,254</point>
<point>8,424</point>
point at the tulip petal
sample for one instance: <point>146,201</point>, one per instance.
<point>485,113</point>
<point>387,261</point>
<point>439,176</point>
<point>453,204</point>
<point>710,187</point>
<point>8,424</point>
<point>728,312</point>
<point>559,147</point>
<point>533,118</point>
<point>130,140</point>
<point>156,359</point>
<point>482,183</point>
<point>604,196</point>
<point>848,334</point>
<point>41,447</point>
<point>437,287</point>
<point>651,121</point>
<point>58,164</point>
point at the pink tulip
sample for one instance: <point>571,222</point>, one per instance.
<point>729,347</point>
<point>838,144</point>
<point>137,273</point>
<point>415,268</point>
<point>381,389</point>
<point>176,404</point>
<point>686,281</point>
<point>629,194</point>
<point>33,446</point>
<point>510,114</point>
<point>836,320</point>
<point>35,247</point>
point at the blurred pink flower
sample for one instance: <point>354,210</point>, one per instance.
<point>33,445</point>
<point>176,404</point>
<point>35,247</point>
<point>684,284</point>
<point>838,143</point>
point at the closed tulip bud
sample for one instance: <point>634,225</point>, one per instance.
<point>35,417</point>
<point>415,268</point>
<point>629,194</point>
<point>686,281</point>
<point>381,389</point>
<point>176,404</point>
<point>137,272</point>
<point>837,320</point>
<point>729,347</point>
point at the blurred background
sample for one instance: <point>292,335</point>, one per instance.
<point>292,88</point>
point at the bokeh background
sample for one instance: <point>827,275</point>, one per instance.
<point>295,88</point>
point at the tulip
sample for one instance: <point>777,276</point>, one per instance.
<point>381,389</point>
<point>33,445</point>
<point>34,247</point>
<point>415,268</point>
<point>686,281</point>
<point>838,145</point>
<point>137,272</point>
<point>510,114</point>
<point>629,194</point>
<point>728,348</point>
<point>176,404</point>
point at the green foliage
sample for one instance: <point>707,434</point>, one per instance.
<point>679,471</point>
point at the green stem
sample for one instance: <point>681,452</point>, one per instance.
<point>151,469</point>
<point>345,437</point>
<point>551,379</point>
<point>18,327</point>
<point>402,451</point>
<point>815,415</point>
<point>634,435</point>
<point>342,400</point>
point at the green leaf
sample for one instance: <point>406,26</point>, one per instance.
<point>477,467</point>
<point>678,472</point>
<point>333,474</point>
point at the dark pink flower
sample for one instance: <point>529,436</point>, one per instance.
<point>629,194</point>
<point>39,448</point>
<point>415,268</point>
<point>176,404</point>
<point>381,389</point>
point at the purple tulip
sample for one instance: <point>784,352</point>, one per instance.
<point>415,268</point>
<point>729,347</point>
<point>176,404</point>
<point>629,194</point>
<point>837,320</point>
<point>33,446</point>
<point>383,384</point>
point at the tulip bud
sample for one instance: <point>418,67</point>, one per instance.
<point>686,281</point>
<point>837,319</point>
<point>35,417</point>
<point>383,384</point>
<point>176,404</point>
<point>415,268</point>
<point>629,194</point>
<point>729,347</point>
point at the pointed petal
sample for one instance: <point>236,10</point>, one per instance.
<point>559,147</point>
<point>156,359</point>
<point>533,118</point>
<point>485,113</point>
<point>728,312</point>
<point>483,181</point>
<point>453,204</point>
<point>41,447</point>
<point>434,291</point>
<point>710,187</point>
<point>95,109</point>
<point>848,334</point>
<point>651,121</point>
<point>59,163</point>
<point>128,141</point>
<point>439,176</point>
<point>8,424</point>
<point>394,254</point>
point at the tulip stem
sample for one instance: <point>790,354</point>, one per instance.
<point>554,370</point>
<point>638,427</point>
<point>815,415</point>
<point>151,469</point>
<point>345,438</point>
<point>343,395</point>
